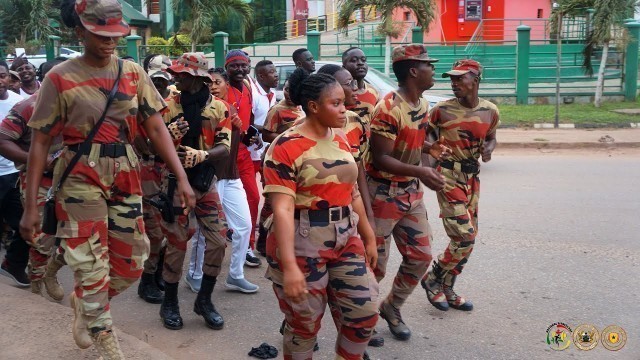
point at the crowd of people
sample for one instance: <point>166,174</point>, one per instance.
<point>131,164</point>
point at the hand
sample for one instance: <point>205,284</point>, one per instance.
<point>486,153</point>
<point>431,178</point>
<point>51,162</point>
<point>186,195</point>
<point>29,224</point>
<point>294,284</point>
<point>178,128</point>
<point>236,122</point>
<point>439,151</point>
<point>371,251</point>
<point>190,157</point>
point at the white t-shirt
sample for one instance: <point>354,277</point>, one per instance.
<point>25,94</point>
<point>6,166</point>
<point>261,106</point>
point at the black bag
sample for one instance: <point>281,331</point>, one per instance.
<point>49,219</point>
<point>201,176</point>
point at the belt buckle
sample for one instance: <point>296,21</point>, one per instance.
<point>335,214</point>
<point>108,150</point>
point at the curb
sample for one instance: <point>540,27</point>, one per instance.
<point>574,126</point>
<point>575,145</point>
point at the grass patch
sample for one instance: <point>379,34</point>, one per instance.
<point>527,115</point>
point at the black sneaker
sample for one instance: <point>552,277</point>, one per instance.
<point>252,260</point>
<point>17,275</point>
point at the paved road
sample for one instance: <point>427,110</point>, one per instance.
<point>558,242</point>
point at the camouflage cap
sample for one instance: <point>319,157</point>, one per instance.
<point>193,64</point>
<point>14,74</point>
<point>464,66</point>
<point>159,74</point>
<point>102,17</point>
<point>159,62</point>
<point>416,52</point>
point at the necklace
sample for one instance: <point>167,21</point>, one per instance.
<point>237,102</point>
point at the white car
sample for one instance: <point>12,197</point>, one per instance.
<point>41,57</point>
<point>375,78</point>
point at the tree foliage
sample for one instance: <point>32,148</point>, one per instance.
<point>424,11</point>
<point>607,16</point>
<point>202,13</point>
<point>24,20</point>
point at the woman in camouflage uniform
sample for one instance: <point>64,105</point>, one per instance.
<point>99,206</point>
<point>314,252</point>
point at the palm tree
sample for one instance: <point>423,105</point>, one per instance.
<point>424,10</point>
<point>607,15</point>
<point>204,11</point>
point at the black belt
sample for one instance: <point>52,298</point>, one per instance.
<point>469,166</point>
<point>106,150</point>
<point>400,184</point>
<point>326,215</point>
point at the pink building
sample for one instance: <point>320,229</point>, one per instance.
<point>489,20</point>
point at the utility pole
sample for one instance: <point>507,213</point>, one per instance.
<point>558,64</point>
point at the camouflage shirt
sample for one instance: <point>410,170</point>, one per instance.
<point>396,120</point>
<point>366,101</point>
<point>14,126</point>
<point>464,129</point>
<point>216,125</point>
<point>318,173</point>
<point>73,96</point>
<point>356,132</point>
<point>282,116</point>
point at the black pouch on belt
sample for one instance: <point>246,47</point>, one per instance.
<point>201,176</point>
<point>49,219</point>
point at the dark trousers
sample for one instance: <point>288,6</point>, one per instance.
<point>11,212</point>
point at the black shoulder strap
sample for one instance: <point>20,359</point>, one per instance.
<point>86,144</point>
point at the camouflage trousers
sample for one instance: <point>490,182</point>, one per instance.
<point>151,182</point>
<point>459,212</point>
<point>331,255</point>
<point>399,210</point>
<point>99,210</point>
<point>42,246</point>
<point>210,218</point>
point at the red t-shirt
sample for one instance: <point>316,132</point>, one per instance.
<point>242,102</point>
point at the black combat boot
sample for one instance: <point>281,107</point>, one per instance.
<point>148,290</point>
<point>170,310</point>
<point>203,305</point>
<point>159,268</point>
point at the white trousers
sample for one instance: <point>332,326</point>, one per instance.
<point>236,210</point>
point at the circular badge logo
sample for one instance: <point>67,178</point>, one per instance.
<point>559,336</point>
<point>586,337</point>
<point>614,337</point>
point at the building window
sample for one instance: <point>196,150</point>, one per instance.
<point>407,15</point>
<point>539,13</point>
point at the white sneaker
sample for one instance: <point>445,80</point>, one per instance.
<point>193,284</point>
<point>241,285</point>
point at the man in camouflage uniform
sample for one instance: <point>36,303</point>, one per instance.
<point>151,169</point>
<point>354,60</point>
<point>208,138</point>
<point>15,140</point>
<point>398,132</point>
<point>468,125</point>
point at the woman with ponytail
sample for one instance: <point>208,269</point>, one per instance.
<point>314,248</point>
<point>98,199</point>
